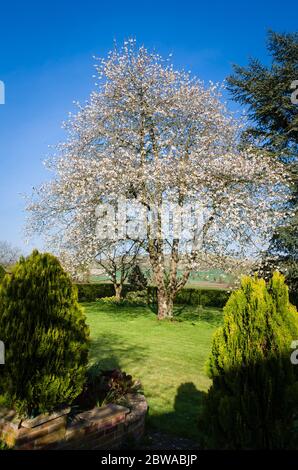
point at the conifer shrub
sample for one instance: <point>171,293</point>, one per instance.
<point>137,279</point>
<point>45,336</point>
<point>252,402</point>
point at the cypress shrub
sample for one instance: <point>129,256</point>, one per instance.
<point>136,279</point>
<point>252,402</point>
<point>45,336</point>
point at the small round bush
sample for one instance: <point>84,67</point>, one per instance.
<point>137,298</point>
<point>45,336</point>
<point>252,402</point>
<point>108,300</point>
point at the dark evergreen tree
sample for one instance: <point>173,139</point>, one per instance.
<point>2,272</point>
<point>252,402</point>
<point>137,279</point>
<point>45,336</point>
<point>266,92</point>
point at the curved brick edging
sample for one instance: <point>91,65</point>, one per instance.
<point>100,428</point>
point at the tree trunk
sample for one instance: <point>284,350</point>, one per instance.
<point>165,294</point>
<point>164,304</point>
<point>170,305</point>
<point>118,292</point>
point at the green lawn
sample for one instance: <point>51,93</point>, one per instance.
<point>168,357</point>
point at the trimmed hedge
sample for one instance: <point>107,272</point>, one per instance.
<point>187,296</point>
<point>91,292</point>
<point>204,297</point>
<point>192,296</point>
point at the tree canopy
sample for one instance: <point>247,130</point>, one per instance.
<point>166,144</point>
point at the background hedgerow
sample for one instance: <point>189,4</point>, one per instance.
<point>187,296</point>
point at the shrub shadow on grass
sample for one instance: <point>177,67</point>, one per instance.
<point>183,421</point>
<point>213,316</point>
<point>122,310</point>
<point>107,349</point>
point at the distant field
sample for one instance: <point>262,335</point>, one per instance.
<point>214,279</point>
<point>194,284</point>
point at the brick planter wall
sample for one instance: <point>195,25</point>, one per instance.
<point>108,427</point>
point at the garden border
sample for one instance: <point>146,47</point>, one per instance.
<point>108,427</point>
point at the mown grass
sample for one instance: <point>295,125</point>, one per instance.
<point>168,357</point>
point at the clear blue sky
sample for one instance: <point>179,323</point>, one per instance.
<point>46,51</point>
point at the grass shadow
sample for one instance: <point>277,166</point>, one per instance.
<point>122,310</point>
<point>194,313</point>
<point>108,349</point>
<point>213,316</point>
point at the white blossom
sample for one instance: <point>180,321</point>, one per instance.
<point>158,135</point>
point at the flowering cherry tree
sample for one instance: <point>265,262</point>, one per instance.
<point>114,258</point>
<point>158,137</point>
